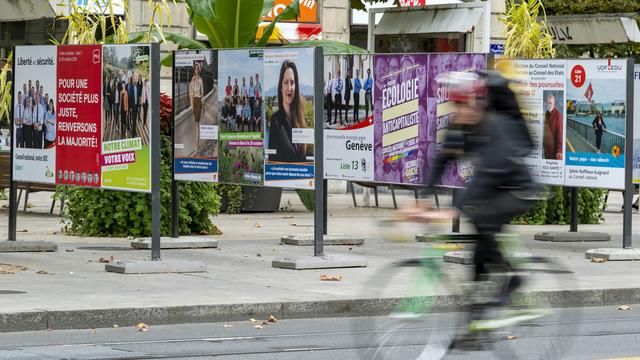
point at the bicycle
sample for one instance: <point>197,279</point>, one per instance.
<point>426,305</point>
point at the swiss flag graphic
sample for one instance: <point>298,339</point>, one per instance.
<point>589,93</point>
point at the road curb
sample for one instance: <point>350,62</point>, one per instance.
<point>106,318</point>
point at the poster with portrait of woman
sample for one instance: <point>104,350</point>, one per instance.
<point>289,114</point>
<point>195,99</point>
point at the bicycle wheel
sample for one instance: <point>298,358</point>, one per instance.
<point>532,326</point>
<point>417,315</point>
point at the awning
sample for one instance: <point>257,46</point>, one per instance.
<point>22,10</point>
<point>429,21</point>
<point>594,29</point>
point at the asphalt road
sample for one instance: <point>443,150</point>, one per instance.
<point>596,333</point>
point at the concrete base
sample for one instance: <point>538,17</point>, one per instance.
<point>27,246</point>
<point>319,262</point>
<point>331,239</point>
<point>447,237</point>
<point>611,254</point>
<point>466,257</point>
<point>567,236</point>
<point>156,267</point>
<point>183,242</point>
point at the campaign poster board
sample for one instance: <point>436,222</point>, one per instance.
<point>126,138</point>
<point>35,66</point>
<point>70,129</point>
<point>79,110</point>
<point>241,104</point>
<point>196,119</point>
<point>636,124</point>
<point>596,123</point>
<point>348,117</point>
<point>289,89</point>
<point>541,91</point>
<point>439,110</point>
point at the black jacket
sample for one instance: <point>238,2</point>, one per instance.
<point>280,140</point>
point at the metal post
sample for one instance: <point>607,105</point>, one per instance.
<point>456,198</point>
<point>628,161</point>
<point>573,227</point>
<point>175,187</point>
<point>319,214</point>
<point>325,205</point>
<point>155,151</point>
<point>13,188</point>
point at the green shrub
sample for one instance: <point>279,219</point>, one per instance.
<point>557,209</point>
<point>94,212</point>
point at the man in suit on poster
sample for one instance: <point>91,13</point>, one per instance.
<point>133,105</point>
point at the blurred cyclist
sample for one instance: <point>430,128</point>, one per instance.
<point>487,128</point>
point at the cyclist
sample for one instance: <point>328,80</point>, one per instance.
<point>487,127</point>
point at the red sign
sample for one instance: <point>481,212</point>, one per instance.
<point>79,114</point>
<point>578,76</point>
<point>589,93</point>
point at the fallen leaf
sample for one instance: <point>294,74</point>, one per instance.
<point>115,326</point>
<point>204,232</point>
<point>253,320</point>
<point>511,337</point>
<point>272,319</point>
<point>29,205</point>
<point>330,277</point>
<point>42,272</point>
<point>69,250</point>
<point>103,260</point>
<point>142,327</point>
<point>598,260</point>
<point>259,255</point>
<point>259,327</point>
<point>11,269</point>
<point>23,230</point>
<point>624,307</point>
<point>113,258</point>
<point>257,226</point>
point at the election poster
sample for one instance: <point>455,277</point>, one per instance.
<point>596,123</point>
<point>79,109</point>
<point>636,124</point>
<point>126,118</point>
<point>289,96</point>
<point>34,118</point>
<point>242,108</point>
<point>348,117</point>
<point>195,99</point>
<point>439,111</point>
<point>400,137</point>
<point>541,86</point>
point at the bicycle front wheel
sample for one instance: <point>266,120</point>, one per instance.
<point>419,313</point>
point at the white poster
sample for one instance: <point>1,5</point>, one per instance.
<point>541,92</point>
<point>35,89</point>
<point>596,123</point>
<point>636,125</point>
<point>348,118</point>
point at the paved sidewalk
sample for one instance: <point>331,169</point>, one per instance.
<point>70,289</point>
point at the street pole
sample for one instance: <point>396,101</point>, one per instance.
<point>175,187</point>
<point>155,152</point>
<point>628,161</point>
<point>456,198</point>
<point>319,214</point>
<point>573,227</point>
<point>13,188</point>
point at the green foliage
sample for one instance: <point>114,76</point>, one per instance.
<point>308,198</point>
<point>3,194</point>
<point>233,195</point>
<point>563,7</point>
<point>557,209</point>
<point>93,212</point>
<point>527,37</point>
<point>537,215</point>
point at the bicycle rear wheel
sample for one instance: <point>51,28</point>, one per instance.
<point>418,315</point>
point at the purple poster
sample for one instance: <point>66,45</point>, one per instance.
<point>439,110</point>
<point>400,128</point>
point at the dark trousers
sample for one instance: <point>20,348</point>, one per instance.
<point>337,108</point>
<point>19,139</point>
<point>133,119</point>
<point>123,123</point>
<point>598,139</point>
<point>145,108</point>
<point>37,138</point>
<point>328,104</point>
<point>356,106</point>
<point>27,133</point>
<point>116,115</point>
<point>252,104</point>
<point>367,104</point>
<point>347,99</point>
